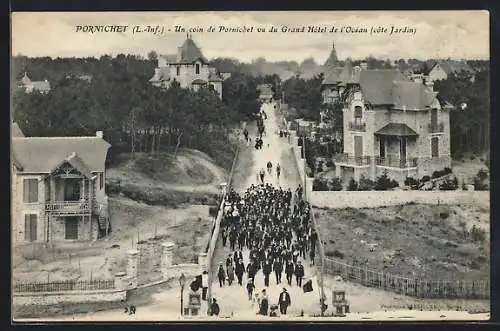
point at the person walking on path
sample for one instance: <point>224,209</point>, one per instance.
<point>250,288</point>
<point>269,167</point>
<point>299,273</point>
<point>278,269</point>
<point>239,271</point>
<point>278,171</point>
<point>221,274</point>
<point>264,303</point>
<point>262,174</point>
<point>230,274</point>
<point>289,271</point>
<point>266,269</point>
<point>284,301</point>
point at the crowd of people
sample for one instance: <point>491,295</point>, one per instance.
<point>278,234</point>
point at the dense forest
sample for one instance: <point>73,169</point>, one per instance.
<point>134,116</point>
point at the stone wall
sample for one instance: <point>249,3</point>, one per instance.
<point>371,199</point>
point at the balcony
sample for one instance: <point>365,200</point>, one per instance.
<point>357,126</point>
<point>396,162</point>
<point>67,207</point>
<point>351,160</point>
<point>436,128</point>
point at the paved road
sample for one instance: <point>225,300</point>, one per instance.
<point>233,299</point>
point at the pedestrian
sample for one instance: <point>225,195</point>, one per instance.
<point>262,174</point>
<point>269,167</point>
<point>264,303</point>
<point>239,271</point>
<point>284,301</point>
<point>289,271</point>
<point>278,171</point>
<point>229,260</point>
<point>312,255</point>
<point>299,273</point>
<point>266,269</point>
<point>224,237</point>
<point>230,274</point>
<point>221,274</point>
<point>278,269</point>
<point>250,288</point>
<point>214,308</point>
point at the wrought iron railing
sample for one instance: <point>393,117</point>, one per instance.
<point>357,126</point>
<point>396,162</point>
<point>67,207</point>
<point>352,160</point>
<point>436,127</point>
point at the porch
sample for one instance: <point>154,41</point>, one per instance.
<point>395,144</point>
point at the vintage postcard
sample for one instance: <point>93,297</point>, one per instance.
<point>262,166</point>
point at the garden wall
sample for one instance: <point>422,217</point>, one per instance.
<point>370,199</point>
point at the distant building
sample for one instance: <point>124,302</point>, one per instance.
<point>332,72</point>
<point>30,85</point>
<point>442,68</point>
<point>390,123</point>
<point>189,68</point>
<point>58,188</point>
<point>265,92</point>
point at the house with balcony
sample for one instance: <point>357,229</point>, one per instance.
<point>392,124</point>
<point>58,188</point>
<point>189,68</point>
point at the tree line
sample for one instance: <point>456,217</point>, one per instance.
<point>134,115</point>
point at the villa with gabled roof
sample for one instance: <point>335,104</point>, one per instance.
<point>189,68</point>
<point>58,188</point>
<point>30,86</point>
<point>390,124</point>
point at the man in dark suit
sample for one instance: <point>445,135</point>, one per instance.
<point>289,270</point>
<point>284,301</point>
<point>266,269</point>
<point>299,273</point>
<point>278,269</point>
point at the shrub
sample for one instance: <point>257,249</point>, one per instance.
<point>365,184</point>
<point>447,171</point>
<point>320,184</point>
<point>384,183</point>
<point>319,168</point>
<point>213,211</point>
<point>353,185</point>
<point>330,164</point>
<point>477,234</point>
<point>425,179</point>
<point>309,172</point>
<point>472,157</point>
<point>335,253</point>
<point>482,174</point>
<point>336,184</point>
<point>449,184</point>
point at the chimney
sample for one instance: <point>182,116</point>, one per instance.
<point>98,134</point>
<point>364,65</point>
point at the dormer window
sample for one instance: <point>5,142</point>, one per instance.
<point>197,68</point>
<point>358,114</point>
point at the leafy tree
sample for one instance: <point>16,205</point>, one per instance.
<point>365,184</point>
<point>353,185</point>
<point>384,183</point>
<point>336,184</point>
<point>449,184</point>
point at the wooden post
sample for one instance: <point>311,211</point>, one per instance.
<point>156,228</point>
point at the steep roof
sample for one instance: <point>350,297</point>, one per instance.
<point>16,131</point>
<point>412,96</point>
<point>42,154</point>
<point>76,162</point>
<point>189,52</point>
<point>377,85</point>
<point>25,79</point>
<point>396,129</point>
<point>332,61</point>
<point>451,66</point>
<point>347,74</point>
<point>332,76</point>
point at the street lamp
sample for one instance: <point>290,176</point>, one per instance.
<point>182,283</point>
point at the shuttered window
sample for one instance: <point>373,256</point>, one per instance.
<point>30,190</point>
<point>30,221</point>
<point>434,147</point>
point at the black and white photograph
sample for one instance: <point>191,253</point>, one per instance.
<point>323,166</point>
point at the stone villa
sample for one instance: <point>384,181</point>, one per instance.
<point>189,68</point>
<point>390,123</point>
<point>58,188</point>
<point>30,86</point>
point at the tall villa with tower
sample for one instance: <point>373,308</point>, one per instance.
<point>189,68</point>
<point>390,123</point>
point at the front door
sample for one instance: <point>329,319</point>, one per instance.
<point>358,146</point>
<point>71,227</point>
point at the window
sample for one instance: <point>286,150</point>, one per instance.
<point>30,227</point>
<point>30,193</point>
<point>382,147</point>
<point>101,180</point>
<point>197,67</point>
<point>178,70</point>
<point>435,147</point>
<point>358,114</point>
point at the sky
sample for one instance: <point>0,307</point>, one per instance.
<point>437,34</point>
